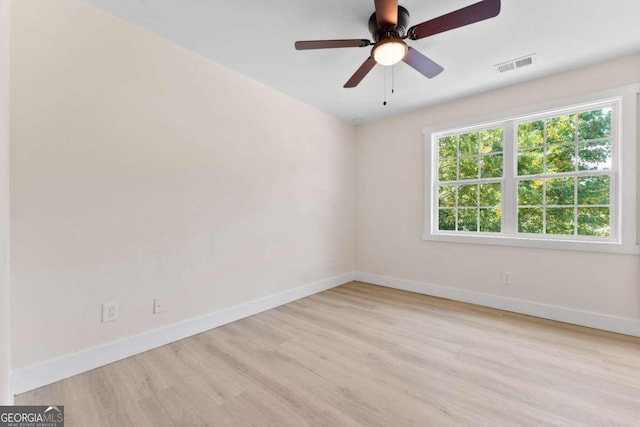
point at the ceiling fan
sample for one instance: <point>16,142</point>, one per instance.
<point>388,27</point>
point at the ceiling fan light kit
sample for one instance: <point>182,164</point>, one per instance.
<point>388,27</point>
<point>389,51</point>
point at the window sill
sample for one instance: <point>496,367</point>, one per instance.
<point>532,242</point>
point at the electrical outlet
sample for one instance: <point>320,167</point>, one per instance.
<point>506,277</point>
<point>158,305</point>
<point>109,312</point>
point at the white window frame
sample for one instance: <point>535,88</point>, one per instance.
<point>624,221</point>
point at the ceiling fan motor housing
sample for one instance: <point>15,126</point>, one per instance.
<point>381,32</point>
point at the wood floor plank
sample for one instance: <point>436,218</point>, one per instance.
<point>364,355</point>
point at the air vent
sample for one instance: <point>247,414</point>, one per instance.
<point>506,67</point>
<point>523,61</point>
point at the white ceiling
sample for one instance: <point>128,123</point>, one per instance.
<point>256,38</point>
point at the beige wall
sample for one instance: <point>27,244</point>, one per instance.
<point>390,209</point>
<point>140,169</point>
<point>5,364</point>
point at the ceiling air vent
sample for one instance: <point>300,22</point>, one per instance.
<point>506,67</point>
<point>524,62</point>
<point>512,64</point>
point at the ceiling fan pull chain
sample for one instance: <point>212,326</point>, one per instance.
<point>384,87</point>
<point>393,80</point>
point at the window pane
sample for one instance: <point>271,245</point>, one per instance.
<point>446,219</point>
<point>469,168</point>
<point>561,129</point>
<point>594,190</point>
<point>530,220</point>
<point>594,124</point>
<point>490,220</point>
<point>447,170</point>
<point>448,146</point>
<point>491,166</point>
<point>468,219</point>
<point>563,183</point>
<point>560,221</point>
<point>561,159</point>
<point>468,195</point>
<point>530,162</point>
<point>560,191</point>
<point>491,141</point>
<point>594,222</point>
<point>530,192</point>
<point>490,194</point>
<point>447,196</point>
<point>469,143</point>
<point>531,134</point>
<point>595,155</point>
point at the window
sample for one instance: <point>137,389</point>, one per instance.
<point>548,179</point>
<point>564,173</point>
<point>470,180</point>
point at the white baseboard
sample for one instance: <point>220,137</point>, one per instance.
<point>48,372</point>
<point>562,314</point>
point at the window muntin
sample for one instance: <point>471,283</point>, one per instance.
<point>470,170</point>
<point>561,184</point>
<point>564,173</point>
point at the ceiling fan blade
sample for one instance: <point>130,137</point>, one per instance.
<point>361,73</point>
<point>387,12</point>
<point>422,64</point>
<point>459,18</point>
<point>330,44</point>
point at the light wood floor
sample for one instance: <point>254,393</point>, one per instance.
<point>362,355</point>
